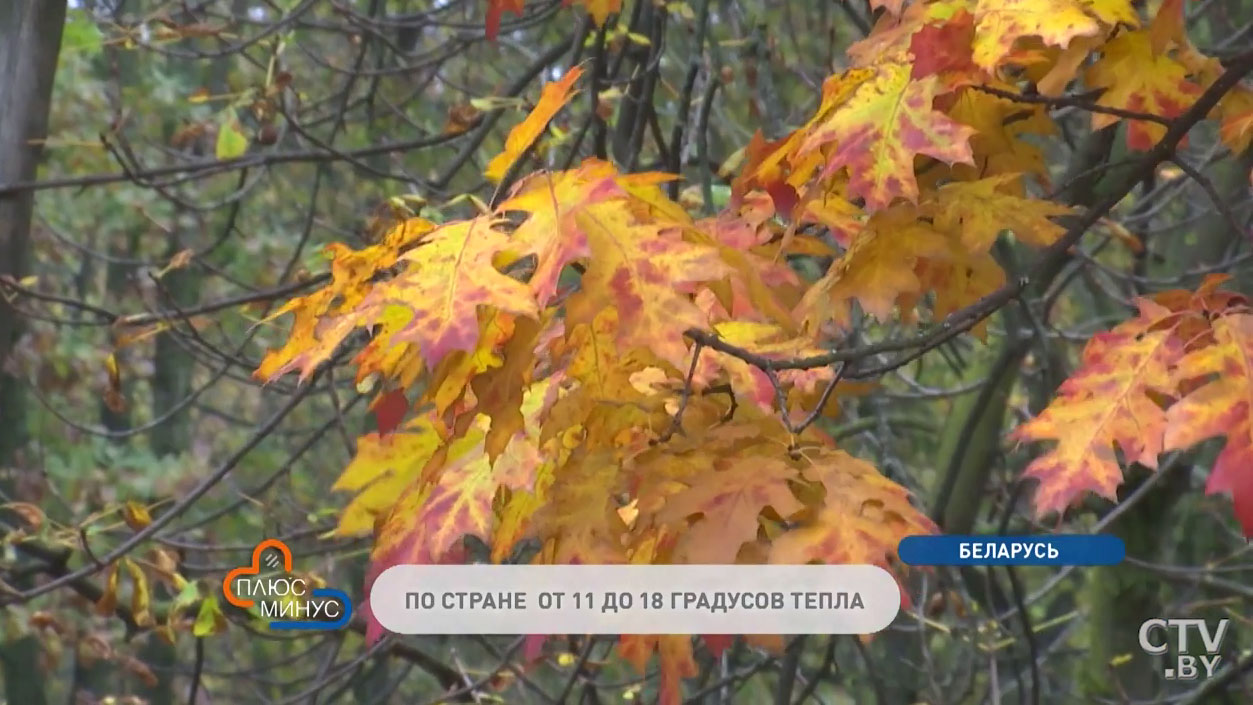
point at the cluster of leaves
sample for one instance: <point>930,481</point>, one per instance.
<point>1178,373</point>
<point>603,374</point>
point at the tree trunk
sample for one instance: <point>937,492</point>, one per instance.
<point>30,40</point>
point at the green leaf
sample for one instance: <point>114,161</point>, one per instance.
<point>81,34</point>
<point>491,102</point>
<point>231,140</point>
<point>188,595</point>
<point>210,619</point>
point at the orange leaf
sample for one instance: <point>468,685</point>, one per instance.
<point>1222,407</point>
<point>1000,126</point>
<point>878,269</point>
<point>1136,78</point>
<point>728,497</point>
<point>1105,403</point>
<point>108,599</point>
<point>1236,110</point>
<point>862,519</point>
<point>639,267</point>
<point>553,97</point>
<point>600,10</point>
<point>883,125</point>
<point>1167,26</point>
<point>446,279</point>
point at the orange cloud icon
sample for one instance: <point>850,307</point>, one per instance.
<point>254,569</point>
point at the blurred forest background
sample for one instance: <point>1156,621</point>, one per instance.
<point>200,153</point>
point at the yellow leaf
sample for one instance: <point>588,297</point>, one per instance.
<point>381,470</point>
<point>876,271</point>
<point>1000,125</point>
<point>1000,23</point>
<point>976,211</point>
<point>136,515</point>
<point>140,594</point>
<point>113,397</point>
<point>638,268</point>
<point>179,260</point>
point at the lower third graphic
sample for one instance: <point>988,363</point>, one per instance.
<point>288,602</point>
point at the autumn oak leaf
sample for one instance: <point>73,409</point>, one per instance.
<point>1222,407</point>
<point>728,499</point>
<point>445,281</point>
<point>550,230</point>
<point>1002,127</point>
<point>877,270</point>
<point>979,210</point>
<point>380,471</point>
<point>1001,23</point>
<point>639,267</point>
<point>1106,403</point>
<point>452,498</point>
<point>881,128</point>
<point>862,518</point>
<point>1138,79</point>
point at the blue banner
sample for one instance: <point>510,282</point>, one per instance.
<point>1062,549</point>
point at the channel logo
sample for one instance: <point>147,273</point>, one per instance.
<point>288,602</point>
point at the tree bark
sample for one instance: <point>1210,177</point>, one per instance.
<point>30,40</point>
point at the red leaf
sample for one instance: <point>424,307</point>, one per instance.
<point>533,646</point>
<point>389,410</point>
<point>944,47</point>
<point>718,643</point>
<point>496,8</point>
<point>784,197</point>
